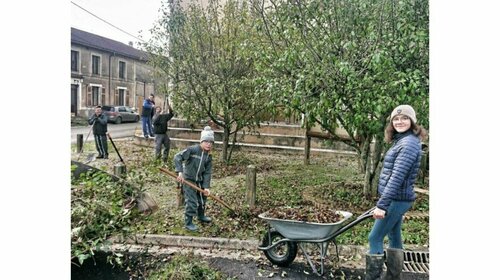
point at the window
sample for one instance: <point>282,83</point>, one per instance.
<point>96,64</point>
<point>74,61</point>
<point>95,96</point>
<point>121,69</point>
<point>121,97</point>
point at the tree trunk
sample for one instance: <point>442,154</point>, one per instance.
<point>365,154</point>
<point>368,180</point>
<point>371,171</point>
<point>235,135</point>
<point>307,149</point>
<point>225,145</point>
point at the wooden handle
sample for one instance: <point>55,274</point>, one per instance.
<point>186,182</point>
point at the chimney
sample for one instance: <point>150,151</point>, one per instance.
<point>130,43</point>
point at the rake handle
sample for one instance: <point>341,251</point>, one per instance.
<point>174,175</point>
<point>83,145</point>
<point>113,143</point>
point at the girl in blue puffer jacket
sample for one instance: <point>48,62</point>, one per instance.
<point>395,188</point>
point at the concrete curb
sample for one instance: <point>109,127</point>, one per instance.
<point>190,241</point>
<point>229,243</point>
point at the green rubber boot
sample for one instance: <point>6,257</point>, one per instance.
<point>202,217</point>
<point>189,223</point>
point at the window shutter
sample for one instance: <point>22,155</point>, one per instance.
<point>88,100</point>
<point>103,96</point>
<point>117,98</point>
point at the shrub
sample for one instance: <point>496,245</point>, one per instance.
<point>97,212</point>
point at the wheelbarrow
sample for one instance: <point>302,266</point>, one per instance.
<point>283,237</point>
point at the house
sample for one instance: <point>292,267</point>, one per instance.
<point>107,72</point>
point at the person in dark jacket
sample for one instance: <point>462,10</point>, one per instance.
<point>147,111</point>
<point>194,164</point>
<point>160,127</point>
<point>99,122</point>
<point>395,188</point>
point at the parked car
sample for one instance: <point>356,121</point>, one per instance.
<point>119,114</point>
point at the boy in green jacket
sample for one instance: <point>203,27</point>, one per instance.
<point>194,164</point>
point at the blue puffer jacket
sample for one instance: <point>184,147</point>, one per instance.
<point>400,170</point>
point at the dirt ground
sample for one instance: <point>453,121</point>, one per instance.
<point>243,268</point>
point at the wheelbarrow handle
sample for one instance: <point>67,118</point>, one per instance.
<point>359,219</point>
<point>367,214</point>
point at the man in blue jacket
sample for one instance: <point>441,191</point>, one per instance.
<point>147,109</point>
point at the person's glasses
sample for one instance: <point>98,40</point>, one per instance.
<point>401,119</point>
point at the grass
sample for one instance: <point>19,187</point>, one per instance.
<point>282,180</point>
<point>186,267</point>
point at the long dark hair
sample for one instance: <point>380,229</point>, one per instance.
<point>417,130</point>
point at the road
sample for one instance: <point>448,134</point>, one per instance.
<point>115,130</point>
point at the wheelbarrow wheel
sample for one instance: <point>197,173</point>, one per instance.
<point>281,255</point>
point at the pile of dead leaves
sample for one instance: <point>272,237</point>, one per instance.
<point>305,214</point>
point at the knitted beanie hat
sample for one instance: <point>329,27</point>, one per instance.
<point>207,134</point>
<point>406,110</point>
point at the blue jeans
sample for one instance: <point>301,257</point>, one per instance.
<point>390,225</point>
<point>147,128</point>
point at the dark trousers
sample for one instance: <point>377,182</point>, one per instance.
<point>101,144</point>
<point>194,200</point>
<point>162,140</point>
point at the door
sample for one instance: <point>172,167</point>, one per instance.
<point>74,96</point>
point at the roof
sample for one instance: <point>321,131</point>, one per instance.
<point>105,44</point>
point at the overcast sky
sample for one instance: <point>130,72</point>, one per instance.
<point>131,16</point>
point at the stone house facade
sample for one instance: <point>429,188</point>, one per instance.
<point>107,72</point>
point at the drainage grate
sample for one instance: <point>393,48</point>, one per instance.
<point>416,262</point>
